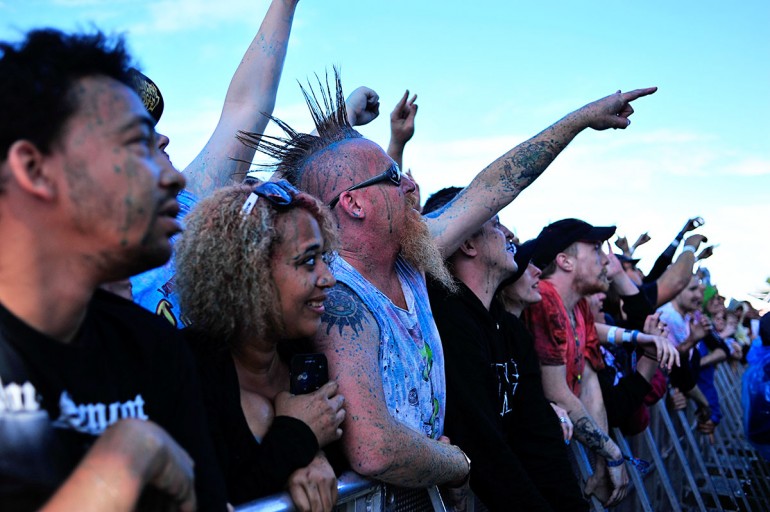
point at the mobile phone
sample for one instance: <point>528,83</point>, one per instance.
<point>308,372</point>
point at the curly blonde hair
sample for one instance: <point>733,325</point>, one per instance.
<point>223,264</point>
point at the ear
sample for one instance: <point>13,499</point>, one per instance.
<point>27,166</point>
<point>565,262</point>
<point>351,206</point>
<point>468,248</point>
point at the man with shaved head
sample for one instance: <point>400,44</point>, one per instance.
<point>378,331</point>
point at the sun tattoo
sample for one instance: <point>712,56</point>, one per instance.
<point>343,310</point>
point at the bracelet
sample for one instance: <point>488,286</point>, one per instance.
<point>467,475</point>
<point>615,463</point>
<point>611,335</point>
<point>688,248</point>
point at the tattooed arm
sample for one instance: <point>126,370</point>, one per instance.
<point>590,431</point>
<point>252,91</point>
<point>375,443</point>
<point>590,426</point>
<point>502,180</point>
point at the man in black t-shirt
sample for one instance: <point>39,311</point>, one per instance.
<point>496,408</point>
<point>99,404</point>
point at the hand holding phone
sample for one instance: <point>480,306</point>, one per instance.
<point>313,400</point>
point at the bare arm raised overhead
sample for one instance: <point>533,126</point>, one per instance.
<point>502,180</point>
<point>252,91</point>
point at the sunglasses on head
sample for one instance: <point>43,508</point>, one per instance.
<point>391,174</point>
<point>278,193</point>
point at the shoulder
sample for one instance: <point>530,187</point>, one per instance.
<point>345,313</point>
<point>118,318</point>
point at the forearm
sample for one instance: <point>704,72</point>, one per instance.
<point>500,183</point>
<point>587,430</point>
<point>592,429</point>
<point>401,456</point>
<point>622,284</point>
<point>713,357</point>
<point>251,93</point>
<point>675,278</point>
<point>396,152</point>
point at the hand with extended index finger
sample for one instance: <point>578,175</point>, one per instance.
<point>613,111</point>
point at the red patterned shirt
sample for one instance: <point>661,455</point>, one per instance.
<point>555,341</point>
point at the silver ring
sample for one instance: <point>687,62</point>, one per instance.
<point>562,419</point>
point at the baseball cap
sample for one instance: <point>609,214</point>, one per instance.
<point>556,237</point>
<point>625,259</point>
<point>148,92</point>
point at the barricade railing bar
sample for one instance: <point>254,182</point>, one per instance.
<point>686,473</point>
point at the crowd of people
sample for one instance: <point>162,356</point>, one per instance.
<point>146,366</point>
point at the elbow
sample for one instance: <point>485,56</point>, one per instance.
<point>370,459</point>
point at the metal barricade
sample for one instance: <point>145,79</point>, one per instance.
<point>687,473</point>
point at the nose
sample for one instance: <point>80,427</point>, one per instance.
<point>407,184</point>
<point>535,270</point>
<point>325,277</point>
<point>170,178</point>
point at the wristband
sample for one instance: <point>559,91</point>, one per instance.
<point>634,335</point>
<point>615,463</point>
<point>467,476</point>
<point>675,243</point>
<point>688,248</point>
<point>626,336</point>
<point>611,335</point>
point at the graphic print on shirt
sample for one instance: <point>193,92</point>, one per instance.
<point>507,380</point>
<point>94,419</point>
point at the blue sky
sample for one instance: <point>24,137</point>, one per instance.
<point>491,74</point>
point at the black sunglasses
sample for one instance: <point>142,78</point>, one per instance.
<point>391,174</point>
<point>279,193</point>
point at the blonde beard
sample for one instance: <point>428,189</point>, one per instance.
<point>419,249</point>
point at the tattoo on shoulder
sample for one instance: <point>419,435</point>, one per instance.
<point>343,309</point>
<point>590,434</point>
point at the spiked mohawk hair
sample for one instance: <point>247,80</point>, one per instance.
<point>293,150</point>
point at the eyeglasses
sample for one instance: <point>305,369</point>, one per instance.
<point>279,193</point>
<point>392,174</point>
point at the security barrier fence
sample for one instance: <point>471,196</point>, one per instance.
<point>680,470</point>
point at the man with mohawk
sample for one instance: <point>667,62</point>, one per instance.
<point>378,332</point>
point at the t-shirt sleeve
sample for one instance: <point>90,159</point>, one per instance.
<point>549,330</point>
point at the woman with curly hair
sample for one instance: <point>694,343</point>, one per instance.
<point>251,275</point>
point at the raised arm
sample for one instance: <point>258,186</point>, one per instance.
<point>504,179</point>
<point>678,275</point>
<point>375,443</point>
<point>252,91</point>
<point>401,127</point>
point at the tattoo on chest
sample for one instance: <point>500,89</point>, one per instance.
<point>343,310</point>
